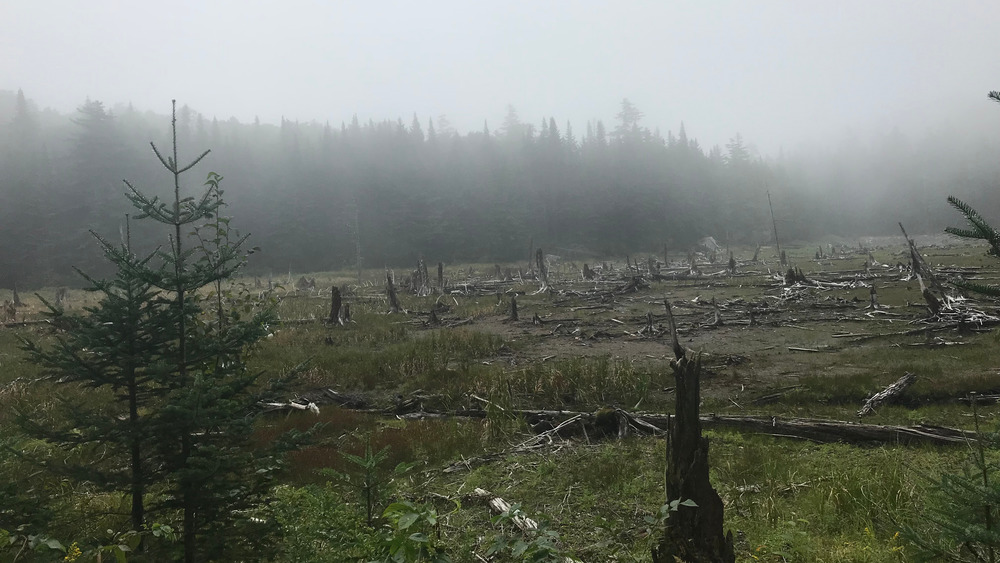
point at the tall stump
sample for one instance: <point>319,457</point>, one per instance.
<point>692,534</point>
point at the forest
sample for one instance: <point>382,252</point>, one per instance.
<point>322,196</point>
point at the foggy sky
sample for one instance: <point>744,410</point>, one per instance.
<point>780,73</point>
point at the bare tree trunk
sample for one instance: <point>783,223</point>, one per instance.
<point>513,308</point>
<point>441,276</point>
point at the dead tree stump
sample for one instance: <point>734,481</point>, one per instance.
<point>335,303</point>
<point>732,264</point>
<point>933,303</point>
<point>692,534</point>
<point>441,276</point>
<point>588,274</point>
<point>390,291</point>
<point>513,308</point>
<point>872,298</point>
<point>17,298</point>
<point>543,270</point>
<point>347,312</point>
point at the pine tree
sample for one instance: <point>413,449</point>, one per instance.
<point>203,428</point>
<point>171,346</point>
<point>111,346</point>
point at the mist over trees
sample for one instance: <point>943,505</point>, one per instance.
<point>416,187</point>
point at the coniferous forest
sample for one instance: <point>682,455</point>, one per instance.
<point>315,196</point>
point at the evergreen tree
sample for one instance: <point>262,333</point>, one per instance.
<point>203,427</point>
<point>112,346</point>
<point>174,356</point>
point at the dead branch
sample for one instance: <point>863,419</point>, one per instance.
<point>889,394</point>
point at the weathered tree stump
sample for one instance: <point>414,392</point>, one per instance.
<point>390,290</point>
<point>933,303</point>
<point>335,303</point>
<point>873,298</point>
<point>513,308</point>
<point>588,274</point>
<point>441,276</point>
<point>17,298</point>
<point>692,534</point>
<point>543,270</point>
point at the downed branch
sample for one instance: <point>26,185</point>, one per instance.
<point>499,506</point>
<point>889,394</point>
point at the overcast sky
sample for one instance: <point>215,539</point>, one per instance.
<point>780,73</point>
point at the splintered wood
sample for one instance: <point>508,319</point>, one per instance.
<point>887,395</point>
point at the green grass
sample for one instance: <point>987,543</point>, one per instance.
<point>790,500</point>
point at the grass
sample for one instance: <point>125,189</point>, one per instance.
<point>785,500</point>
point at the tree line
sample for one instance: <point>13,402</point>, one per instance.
<point>318,196</point>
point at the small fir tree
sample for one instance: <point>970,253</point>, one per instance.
<point>110,345</point>
<point>171,344</point>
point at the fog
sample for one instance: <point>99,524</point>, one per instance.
<point>462,131</point>
<point>780,73</point>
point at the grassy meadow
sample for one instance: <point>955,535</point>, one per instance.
<point>778,350</point>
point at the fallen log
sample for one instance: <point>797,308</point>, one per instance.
<point>889,394</point>
<point>828,431</point>
<point>617,422</point>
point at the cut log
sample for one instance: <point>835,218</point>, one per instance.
<point>887,395</point>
